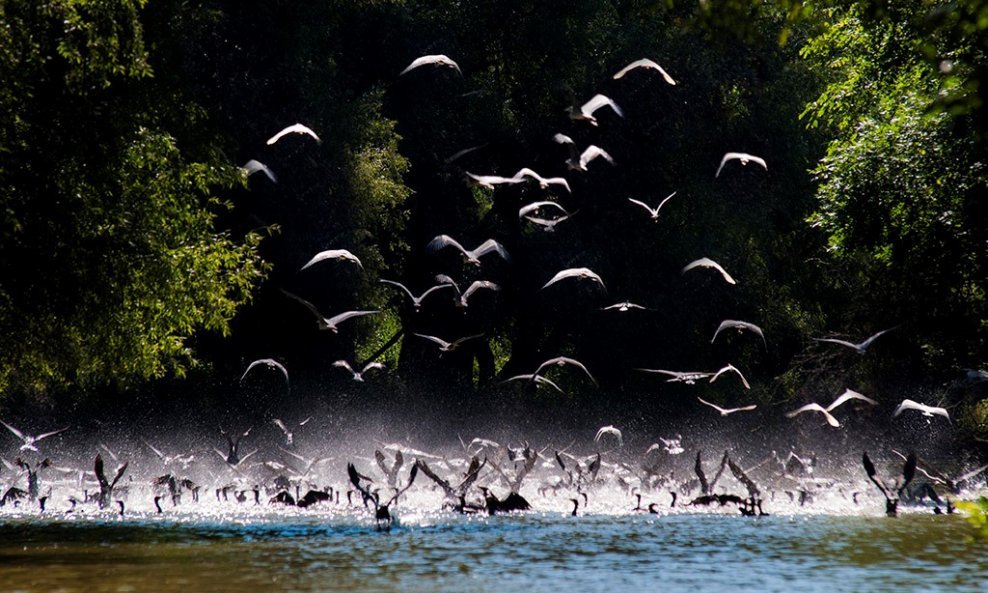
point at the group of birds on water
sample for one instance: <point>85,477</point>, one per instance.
<point>480,476</point>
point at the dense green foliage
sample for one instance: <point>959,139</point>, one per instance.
<point>131,239</point>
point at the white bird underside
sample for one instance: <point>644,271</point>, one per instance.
<point>611,431</point>
<point>586,273</point>
<point>341,254</point>
<point>706,262</point>
<point>739,325</point>
<point>653,212</point>
<point>253,166</point>
<point>815,408</point>
<point>586,111</point>
<point>726,411</point>
<point>488,246</point>
<point>930,411</point>
<point>648,65</point>
<point>435,60</point>
<point>294,129</point>
<point>744,157</point>
<point>268,363</point>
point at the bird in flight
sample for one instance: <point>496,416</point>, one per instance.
<point>29,440</point>
<point>330,323</point>
<point>646,64</point>
<point>537,379</point>
<point>860,347</point>
<point>416,300</point>
<point>294,129</point>
<point>706,262</point>
<point>653,212</point>
<point>473,257</point>
<point>544,182</point>
<point>438,60</point>
<point>586,111</point>
<point>740,326</point>
<point>730,369</point>
<point>579,163</point>
<point>585,273</point>
<point>624,306</point>
<point>269,363</point>
<point>744,157</point>
<point>337,254</point>
<point>928,411</point>
<point>814,407</point>
<point>358,375</point>
<point>445,346</point>
<point>473,288</point>
<point>489,181</point>
<point>252,166</point>
<point>564,361</point>
<point>726,411</point>
<point>611,431</point>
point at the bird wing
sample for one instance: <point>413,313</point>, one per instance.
<point>593,151</point>
<point>48,434</point>
<point>598,101</point>
<point>489,246</point>
<point>438,59</point>
<point>558,181</point>
<point>559,360</point>
<point>714,406</point>
<point>343,365</point>
<point>870,470</point>
<point>864,345</point>
<point>411,480</point>
<point>16,432</point>
<point>908,404</point>
<point>731,368</point>
<point>459,341</point>
<point>743,478</point>
<point>304,303</point>
<point>663,202</point>
<point>849,395</point>
<point>529,208</point>
<point>443,241</point>
<point>841,342</point>
<point>447,489</point>
<point>332,254</point>
<point>526,172</point>
<point>647,64</point>
<point>816,408</point>
<point>372,365</point>
<point>463,152</point>
<point>443,343</point>
<point>253,166</point>
<point>337,319</point>
<point>477,285</point>
<point>294,129</point>
<point>741,156</point>
<point>156,451</point>
<point>269,362</point>
<point>277,422</point>
<point>908,471</point>
<point>399,285</point>
<point>706,262</point>
<point>562,139</point>
<point>644,205</point>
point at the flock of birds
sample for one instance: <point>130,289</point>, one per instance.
<point>468,478</point>
<point>602,475</point>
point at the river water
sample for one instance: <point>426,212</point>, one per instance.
<point>262,549</point>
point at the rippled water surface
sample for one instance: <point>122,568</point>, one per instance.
<point>535,552</point>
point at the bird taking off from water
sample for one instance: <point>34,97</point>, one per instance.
<point>706,262</point>
<point>861,347</point>
<point>611,431</point>
<point>744,157</point>
<point>586,111</point>
<point>928,411</point>
<point>294,129</point>
<point>646,64</point>
<point>437,60</point>
<point>30,440</point>
<point>845,397</point>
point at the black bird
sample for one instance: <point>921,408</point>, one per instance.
<point>106,486</point>
<point>382,512</point>
<point>512,502</point>
<point>894,493</point>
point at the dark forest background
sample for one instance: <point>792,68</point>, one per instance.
<point>141,267</point>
